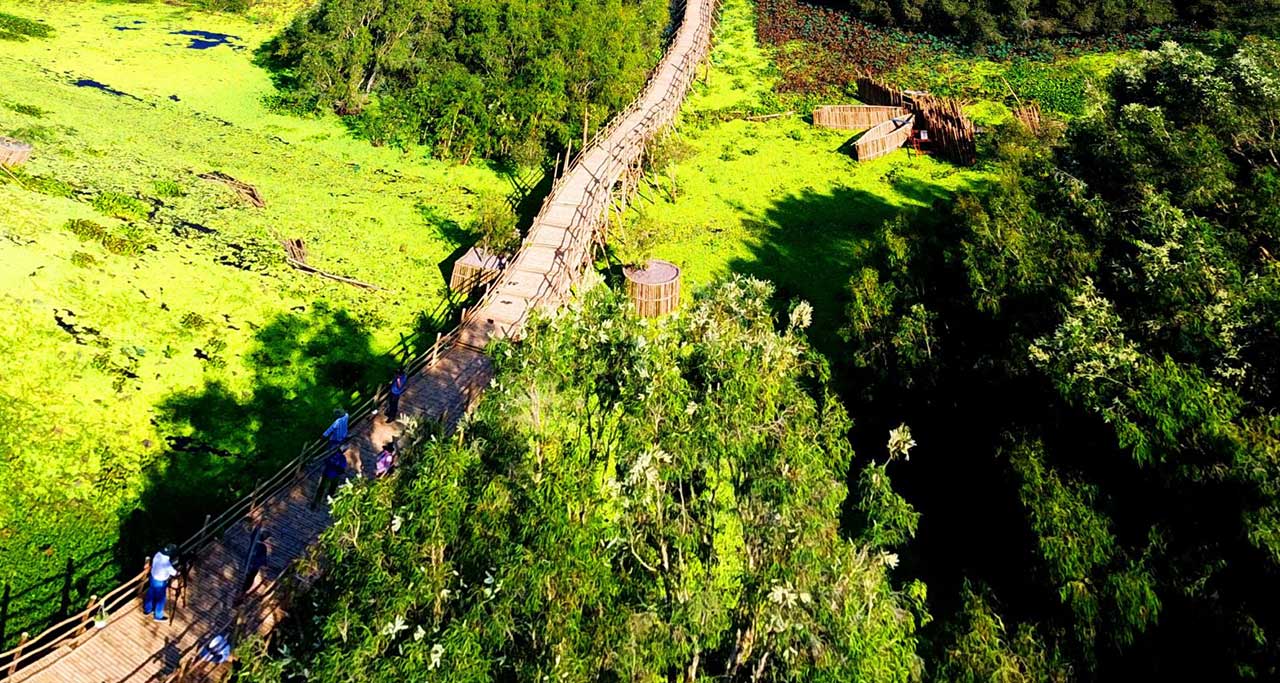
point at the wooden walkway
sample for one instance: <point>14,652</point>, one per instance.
<point>560,246</point>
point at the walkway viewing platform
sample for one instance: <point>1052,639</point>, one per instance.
<point>444,384</point>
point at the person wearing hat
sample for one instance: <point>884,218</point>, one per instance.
<point>158,582</point>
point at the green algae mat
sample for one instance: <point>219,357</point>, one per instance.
<point>158,352</point>
<point>743,190</point>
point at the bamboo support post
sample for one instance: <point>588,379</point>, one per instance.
<point>17,654</point>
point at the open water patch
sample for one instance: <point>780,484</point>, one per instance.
<point>96,85</point>
<point>203,40</point>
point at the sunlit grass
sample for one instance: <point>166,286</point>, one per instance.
<point>82,396</point>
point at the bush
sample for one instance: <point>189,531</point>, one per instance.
<point>495,224</point>
<point>494,78</point>
<point>17,28</point>
<point>121,206</point>
<point>168,188</point>
<point>26,109</point>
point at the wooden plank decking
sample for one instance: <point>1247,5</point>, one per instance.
<point>133,647</point>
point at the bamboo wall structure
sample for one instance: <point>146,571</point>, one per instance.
<point>951,133</point>
<point>853,116</point>
<point>475,269</point>
<point>883,138</point>
<point>655,289</point>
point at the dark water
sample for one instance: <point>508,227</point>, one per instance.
<point>90,83</point>
<point>126,28</point>
<point>203,40</point>
<point>174,98</point>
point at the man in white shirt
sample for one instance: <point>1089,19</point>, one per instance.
<point>158,585</point>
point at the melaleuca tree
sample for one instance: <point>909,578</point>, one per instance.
<point>1102,328</point>
<point>503,80</point>
<point>632,500</point>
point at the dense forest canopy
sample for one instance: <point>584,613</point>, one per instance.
<point>632,501</point>
<point>1090,354</point>
<point>990,20</point>
<point>501,79</point>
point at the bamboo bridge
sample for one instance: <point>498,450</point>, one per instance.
<point>111,640</point>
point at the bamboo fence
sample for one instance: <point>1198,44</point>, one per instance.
<point>951,133</point>
<point>883,138</point>
<point>853,116</point>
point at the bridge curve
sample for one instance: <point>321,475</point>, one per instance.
<point>112,641</point>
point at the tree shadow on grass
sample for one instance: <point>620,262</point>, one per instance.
<point>302,365</point>
<point>810,244</point>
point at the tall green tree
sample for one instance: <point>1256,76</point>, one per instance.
<point>632,501</point>
<point>504,79</point>
<point>1104,330</point>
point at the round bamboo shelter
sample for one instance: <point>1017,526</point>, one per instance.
<point>655,288</point>
<point>13,152</point>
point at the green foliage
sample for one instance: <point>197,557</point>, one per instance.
<point>13,27</point>
<point>984,651</point>
<point>495,225</point>
<point>994,22</point>
<point>888,519</point>
<point>121,206</point>
<point>504,80</point>
<point>168,188</point>
<point>632,501</point>
<point>44,184</point>
<point>26,109</point>
<point>125,245</point>
<point>1107,312</point>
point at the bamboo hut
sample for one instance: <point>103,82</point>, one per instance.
<point>477,267</point>
<point>655,288</point>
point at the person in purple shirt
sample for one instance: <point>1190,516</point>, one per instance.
<point>158,582</point>
<point>398,383</point>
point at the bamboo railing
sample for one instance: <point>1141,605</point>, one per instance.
<point>688,48</point>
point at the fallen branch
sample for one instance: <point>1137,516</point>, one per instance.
<point>766,117</point>
<point>248,192</point>
<point>316,271</point>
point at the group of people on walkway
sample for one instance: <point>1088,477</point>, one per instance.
<point>165,562</point>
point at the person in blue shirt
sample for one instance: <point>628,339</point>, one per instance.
<point>398,383</point>
<point>158,582</point>
<point>337,432</point>
<point>334,467</point>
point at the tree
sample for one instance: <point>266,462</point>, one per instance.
<point>631,500</point>
<point>1103,324</point>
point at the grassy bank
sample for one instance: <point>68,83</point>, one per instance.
<point>772,197</point>
<point>159,351</point>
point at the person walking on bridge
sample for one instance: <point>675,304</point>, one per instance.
<point>335,466</point>
<point>158,585</point>
<point>337,432</point>
<point>398,383</point>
